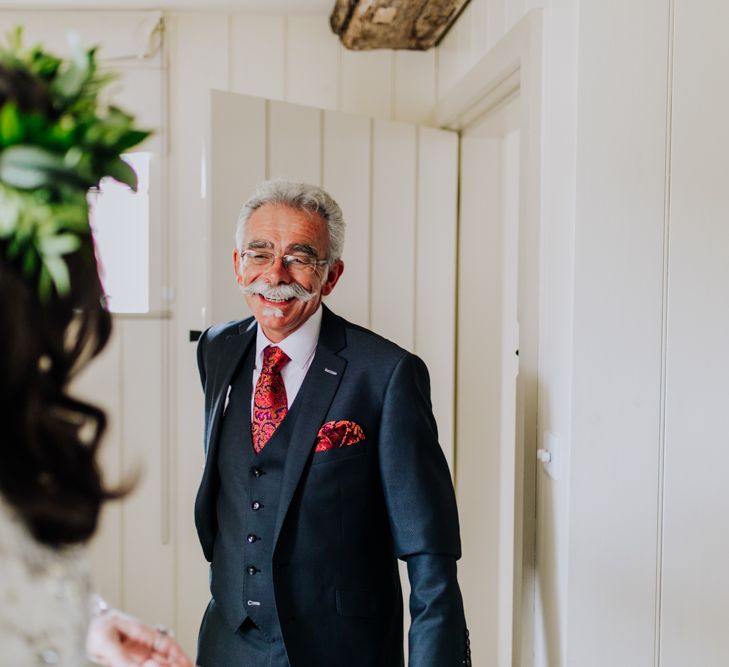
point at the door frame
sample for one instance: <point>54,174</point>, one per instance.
<point>514,67</point>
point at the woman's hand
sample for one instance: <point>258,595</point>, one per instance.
<point>116,639</point>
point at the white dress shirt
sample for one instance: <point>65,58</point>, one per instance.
<point>299,346</point>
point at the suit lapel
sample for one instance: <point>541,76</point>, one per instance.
<point>234,349</point>
<point>320,387</point>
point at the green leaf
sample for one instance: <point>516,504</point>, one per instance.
<point>45,284</point>
<point>11,125</point>
<point>121,171</point>
<point>27,167</point>
<point>63,244</point>
<point>70,81</point>
<point>58,272</point>
<point>30,262</point>
<point>131,138</point>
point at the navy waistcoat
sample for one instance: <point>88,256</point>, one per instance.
<point>247,506</point>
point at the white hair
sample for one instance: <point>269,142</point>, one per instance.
<point>299,196</point>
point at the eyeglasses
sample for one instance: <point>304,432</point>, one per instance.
<point>294,264</point>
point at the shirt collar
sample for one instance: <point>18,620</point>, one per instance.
<point>299,346</point>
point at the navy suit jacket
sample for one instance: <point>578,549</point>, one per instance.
<point>346,515</point>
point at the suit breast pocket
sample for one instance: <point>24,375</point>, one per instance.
<point>340,453</point>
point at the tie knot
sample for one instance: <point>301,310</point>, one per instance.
<point>273,359</point>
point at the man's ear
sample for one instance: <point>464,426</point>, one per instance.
<point>335,272</point>
<point>237,266</point>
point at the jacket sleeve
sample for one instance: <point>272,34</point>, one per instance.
<point>201,348</point>
<point>423,517</point>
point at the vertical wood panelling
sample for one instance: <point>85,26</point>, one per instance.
<point>238,146</point>
<point>312,65</point>
<point>482,23</point>
<point>435,283</point>
<point>447,60</point>
<point>695,585</point>
<point>367,82</point>
<point>479,483</point>
<point>393,231</point>
<point>294,142</point>
<point>199,57</point>
<point>556,261</point>
<point>105,553</point>
<point>257,55</point>
<point>515,9</point>
<point>512,432</point>
<point>346,176</point>
<point>148,573</point>
<point>414,89</point>
<point>495,23</point>
<point>138,84</point>
<point>122,35</point>
<point>619,237</point>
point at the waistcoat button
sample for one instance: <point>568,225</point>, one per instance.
<point>252,538</point>
<point>256,471</point>
<point>255,505</point>
<point>252,569</point>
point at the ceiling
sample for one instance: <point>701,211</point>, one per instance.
<point>242,6</point>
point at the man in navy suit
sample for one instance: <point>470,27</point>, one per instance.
<point>322,469</point>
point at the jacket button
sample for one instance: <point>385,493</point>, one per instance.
<point>251,538</point>
<point>255,505</point>
<point>256,472</point>
<point>252,569</point>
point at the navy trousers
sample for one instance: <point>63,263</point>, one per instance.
<point>219,646</point>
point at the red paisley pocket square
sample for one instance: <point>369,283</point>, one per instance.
<point>342,433</point>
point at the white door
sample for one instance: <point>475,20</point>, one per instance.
<point>489,435</point>
<point>397,186</point>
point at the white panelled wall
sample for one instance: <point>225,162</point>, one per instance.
<point>633,265</point>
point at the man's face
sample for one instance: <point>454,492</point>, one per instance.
<point>282,230</point>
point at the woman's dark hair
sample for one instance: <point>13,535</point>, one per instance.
<point>48,468</point>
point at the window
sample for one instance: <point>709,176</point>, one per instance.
<point>120,221</point>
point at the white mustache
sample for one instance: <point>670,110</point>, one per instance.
<point>279,292</point>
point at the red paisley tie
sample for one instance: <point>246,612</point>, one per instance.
<point>269,401</point>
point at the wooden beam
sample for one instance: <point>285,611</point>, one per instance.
<point>393,24</point>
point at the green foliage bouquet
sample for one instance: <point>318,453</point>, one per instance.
<point>57,140</point>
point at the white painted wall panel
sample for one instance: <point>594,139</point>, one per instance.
<point>461,45</point>
<point>482,24</point>
<point>367,82</point>
<point>105,552</point>
<point>121,35</point>
<point>618,281</point>
<point>393,231</point>
<point>695,541</point>
<point>312,62</point>
<point>258,55</point>
<point>237,147</point>
<point>478,410</point>
<point>347,155</point>
<point>294,142</point>
<point>495,22</point>
<point>140,90</point>
<point>515,9</point>
<point>199,61</point>
<point>414,86</point>
<point>435,275</point>
<point>148,552</point>
<point>555,328</point>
